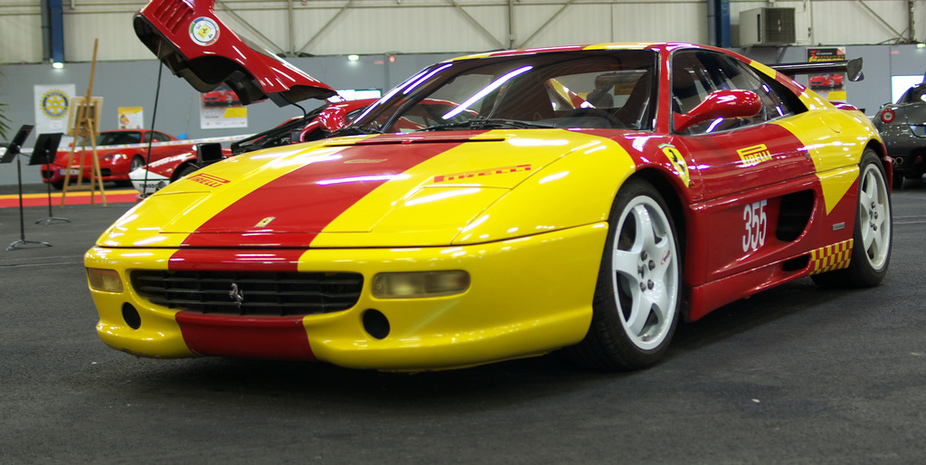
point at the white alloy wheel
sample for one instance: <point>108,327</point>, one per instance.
<point>872,235</point>
<point>638,294</point>
<point>874,216</point>
<point>644,273</point>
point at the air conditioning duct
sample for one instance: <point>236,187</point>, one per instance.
<point>767,26</point>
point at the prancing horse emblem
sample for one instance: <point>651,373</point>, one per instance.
<point>236,294</point>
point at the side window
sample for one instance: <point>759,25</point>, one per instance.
<point>690,85</point>
<point>696,74</point>
<point>616,98</point>
<point>158,137</point>
<point>775,103</point>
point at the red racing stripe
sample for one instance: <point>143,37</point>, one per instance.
<point>279,338</point>
<point>273,260</point>
<point>305,201</point>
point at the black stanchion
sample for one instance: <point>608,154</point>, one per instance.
<point>12,151</point>
<point>46,146</point>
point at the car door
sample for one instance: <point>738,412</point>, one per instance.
<point>742,169</point>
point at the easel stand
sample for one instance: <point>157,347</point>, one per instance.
<point>84,122</point>
<point>86,130</point>
<point>13,151</point>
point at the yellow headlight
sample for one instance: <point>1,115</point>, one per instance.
<point>419,284</point>
<point>104,280</point>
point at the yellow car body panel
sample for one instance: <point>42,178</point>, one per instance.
<point>528,295</point>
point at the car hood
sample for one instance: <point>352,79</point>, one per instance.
<point>379,191</point>
<point>196,45</point>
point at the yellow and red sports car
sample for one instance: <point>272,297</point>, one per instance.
<point>569,197</point>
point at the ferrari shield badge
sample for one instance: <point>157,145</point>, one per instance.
<point>204,31</point>
<point>264,222</point>
<point>678,162</point>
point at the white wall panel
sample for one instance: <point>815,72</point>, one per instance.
<point>615,22</point>
<point>20,38</point>
<point>840,22</point>
<point>117,39</point>
<point>437,26</point>
<point>849,23</point>
<point>661,22</point>
<point>406,30</point>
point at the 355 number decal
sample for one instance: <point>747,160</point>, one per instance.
<point>756,225</point>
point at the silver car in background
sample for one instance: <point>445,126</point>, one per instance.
<point>903,128</point>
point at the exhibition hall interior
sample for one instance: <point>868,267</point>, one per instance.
<point>462,231</point>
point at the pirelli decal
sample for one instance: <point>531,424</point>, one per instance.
<point>476,174</point>
<point>754,155</point>
<point>832,257</point>
<point>208,180</point>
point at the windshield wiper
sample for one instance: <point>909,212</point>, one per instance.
<point>354,131</point>
<point>486,123</point>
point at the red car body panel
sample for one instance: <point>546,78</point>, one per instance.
<point>189,38</point>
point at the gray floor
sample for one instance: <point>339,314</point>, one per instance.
<point>796,375</point>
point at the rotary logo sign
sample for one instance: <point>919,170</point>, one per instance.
<point>51,106</point>
<point>54,104</point>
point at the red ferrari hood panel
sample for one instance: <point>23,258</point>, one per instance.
<point>196,45</point>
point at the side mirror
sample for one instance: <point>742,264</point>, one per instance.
<point>721,104</point>
<point>332,118</point>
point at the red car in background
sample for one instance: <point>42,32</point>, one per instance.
<point>119,151</point>
<point>221,96</point>
<point>826,81</point>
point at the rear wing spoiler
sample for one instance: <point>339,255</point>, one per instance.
<point>852,68</point>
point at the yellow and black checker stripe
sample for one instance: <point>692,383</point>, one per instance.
<point>832,257</point>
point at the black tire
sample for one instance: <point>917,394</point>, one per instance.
<point>137,162</point>
<point>897,183</point>
<point>639,289</point>
<point>872,237</point>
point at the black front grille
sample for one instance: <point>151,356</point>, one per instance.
<point>250,293</point>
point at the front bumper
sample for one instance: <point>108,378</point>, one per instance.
<point>527,296</point>
<point>56,173</point>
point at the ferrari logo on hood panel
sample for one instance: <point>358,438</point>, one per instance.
<point>264,222</point>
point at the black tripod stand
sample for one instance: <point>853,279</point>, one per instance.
<point>44,153</point>
<point>12,151</point>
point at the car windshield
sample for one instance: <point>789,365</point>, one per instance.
<point>118,138</point>
<point>569,89</point>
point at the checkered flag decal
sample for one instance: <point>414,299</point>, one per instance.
<point>831,257</point>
